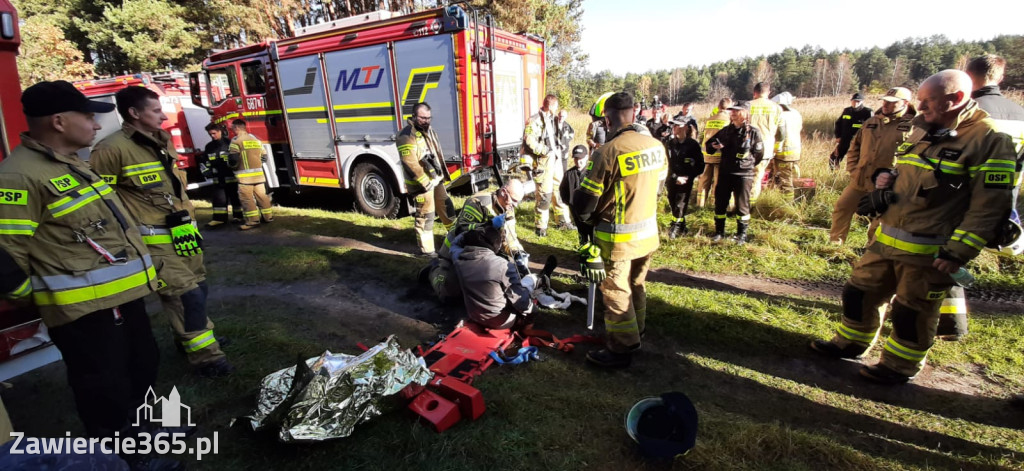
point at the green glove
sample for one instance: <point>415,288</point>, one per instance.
<point>185,237</point>
<point>591,265</point>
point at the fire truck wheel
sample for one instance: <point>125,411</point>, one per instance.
<point>375,195</point>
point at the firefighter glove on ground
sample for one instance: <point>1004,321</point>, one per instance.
<point>185,237</point>
<point>591,265</point>
<point>875,203</point>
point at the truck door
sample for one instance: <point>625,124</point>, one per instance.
<point>426,73</point>
<point>508,99</point>
<point>305,107</point>
<point>362,95</point>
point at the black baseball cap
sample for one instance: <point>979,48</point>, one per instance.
<point>579,151</point>
<point>49,98</point>
<point>858,96</point>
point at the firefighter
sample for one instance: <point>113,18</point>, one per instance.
<point>225,185</point>
<point>686,162</point>
<point>742,149</point>
<point>766,117</point>
<point>565,136</point>
<point>479,210</point>
<point>946,198</point>
<point>709,179</point>
<point>786,163</point>
<point>140,163</point>
<point>541,153</point>
<point>492,286</point>
<point>68,245</point>
<point>846,127</point>
<point>246,157</point>
<point>873,148</point>
<point>425,176</point>
<point>986,72</point>
<point>619,198</point>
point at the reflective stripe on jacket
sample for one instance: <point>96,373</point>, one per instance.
<point>716,123</point>
<point>136,164</point>
<point>248,153</point>
<point>413,148</point>
<point>626,175</point>
<point>66,229</point>
<point>956,188</point>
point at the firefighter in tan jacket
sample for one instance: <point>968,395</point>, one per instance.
<point>944,202</point>
<point>766,116</point>
<point>425,176</point>
<point>246,156</point>
<point>68,245</point>
<point>785,166</point>
<point>709,179</point>
<point>619,198</point>
<point>872,149</point>
<point>139,162</point>
<point>542,154</point>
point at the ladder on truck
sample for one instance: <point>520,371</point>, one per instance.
<point>483,58</point>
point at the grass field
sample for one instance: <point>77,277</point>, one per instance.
<point>320,279</point>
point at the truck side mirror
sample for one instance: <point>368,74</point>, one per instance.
<point>197,90</point>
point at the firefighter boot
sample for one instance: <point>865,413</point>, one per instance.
<point>674,230</point>
<point>719,230</point>
<point>608,359</point>
<point>884,375</point>
<point>830,349</point>
<point>741,233</point>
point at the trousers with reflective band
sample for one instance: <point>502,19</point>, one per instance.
<point>918,289</point>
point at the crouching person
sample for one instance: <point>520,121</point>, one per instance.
<point>491,286</point>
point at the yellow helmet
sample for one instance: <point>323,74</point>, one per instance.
<point>597,111</point>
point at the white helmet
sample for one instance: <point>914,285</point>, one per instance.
<point>1010,240</point>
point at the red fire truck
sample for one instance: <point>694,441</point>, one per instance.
<point>24,342</point>
<point>330,101</point>
<point>185,121</point>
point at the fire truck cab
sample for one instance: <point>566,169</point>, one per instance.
<point>330,102</point>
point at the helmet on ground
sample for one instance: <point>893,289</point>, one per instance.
<point>664,426</point>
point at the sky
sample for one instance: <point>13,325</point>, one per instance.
<point>644,35</point>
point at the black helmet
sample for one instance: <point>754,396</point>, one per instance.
<point>664,426</point>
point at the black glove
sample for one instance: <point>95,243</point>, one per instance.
<point>875,203</point>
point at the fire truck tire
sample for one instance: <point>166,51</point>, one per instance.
<point>375,195</point>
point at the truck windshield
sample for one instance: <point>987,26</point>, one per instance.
<point>223,84</point>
